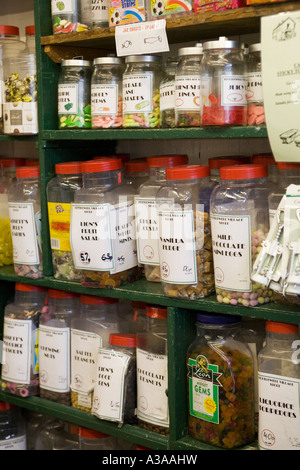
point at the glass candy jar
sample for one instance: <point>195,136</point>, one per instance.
<point>70,16</point>
<point>255,99</point>
<point>136,173</point>
<point>167,94</point>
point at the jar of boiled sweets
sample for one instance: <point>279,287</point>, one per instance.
<point>146,218</point>
<point>224,84</point>
<point>70,16</point>
<point>106,92</point>
<point>115,385</point>
<point>55,345</point>
<point>239,224</point>
<point>90,330</point>
<point>20,364</point>
<point>188,87</point>
<point>25,221</point>
<point>141,81</point>
<point>60,195</point>
<point>102,226</point>
<point>255,99</point>
<point>12,428</point>
<point>74,94</point>
<point>278,388</point>
<point>220,383</point>
<point>185,244</point>
<point>136,173</point>
<point>167,94</point>
<point>152,361</point>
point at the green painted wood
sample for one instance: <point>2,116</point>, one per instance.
<point>21,138</point>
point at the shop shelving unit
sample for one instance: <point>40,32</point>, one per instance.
<point>61,145</point>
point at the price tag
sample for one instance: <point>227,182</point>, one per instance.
<point>141,38</point>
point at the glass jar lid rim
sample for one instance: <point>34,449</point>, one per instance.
<point>264,158</point>
<point>7,29</point>
<point>255,47</point>
<point>61,294</point>
<point>156,312</point>
<point>222,43</point>
<point>244,171</point>
<point>194,50</point>
<point>288,165</point>
<point>186,172</point>
<point>217,318</point>
<point>101,165</point>
<point>76,63</point>
<point>108,60</point>
<point>163,161</point>
<point>27,172</point>
<point>279,327</point>
<point>142,58</point>
<point>68,168</point>
<point>96,300</point>
<point>19,286</point>
<point>136,166</point>
<point>123,339</point>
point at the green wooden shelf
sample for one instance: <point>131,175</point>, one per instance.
<point>15,138</point>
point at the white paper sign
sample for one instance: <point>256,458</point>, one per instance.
<point>280,36</point>
<point>141,38</point>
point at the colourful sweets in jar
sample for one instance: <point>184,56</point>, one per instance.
<point>255,101</point>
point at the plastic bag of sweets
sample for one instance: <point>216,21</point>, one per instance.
<point>20,362</point>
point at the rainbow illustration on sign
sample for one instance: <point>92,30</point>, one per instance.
<point>169,7</point>
<point>126,11</point>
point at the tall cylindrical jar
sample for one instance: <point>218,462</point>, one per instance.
<point>255,99</point>
<point>25,221</point>
<point>100,14</point>
<point>102,226</point>
<point>141,81</point>
<point>60,195</point>
<point>106,92</point>
<point>55,345</point>
<point>152,361</point>
<point>20,362</point>
<point>90,330</point>
<point>74,94</point>
<point>278,388</point>
<point>167,94</point>
<point>188,87</point>
<point>239,223</point>
<point>70,16</point>
<point>146,218</point>
<point>224,81</point>
<point>185,245</point>
<point>12,428</point>
<point>220,383</point>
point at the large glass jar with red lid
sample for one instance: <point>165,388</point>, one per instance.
<point>239,223</point>
<point>60,195</point>
<point>185,245</point>
<point>136,173</point>
<point>55,345</point>
<point>12,428</point>
<point>90,329</point>
<point>223,84</point>
<point>115,383</point>
<point>152,361</point>
<point>20,364</point>
<point>220,379</point>
<point>102,226</point>
<point>146,215</point>
<point>24,203</point>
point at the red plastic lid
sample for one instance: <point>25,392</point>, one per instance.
<point>278,327</point>
<point>137,304</point>
<point>31,162</point>
<point>121,339</point>
<point>136,166</point>
<point>288,165</point>
<point>90,433</point>
<point>264,159</point>
<point>29,288</point>
<point>30,30</point>
<point>4,29</point>
<point>156,312</point>
<point>187,172</point>
<point>27,172</point>
<point>165,161</point>
<point>243,172</point>
<point>102,164</point>
<point>68,168</point>
<point>61,294</point>
<point>125,157</point>
<point>5,406</point>
<point>217,163</point>
<point>95,300</point>
<point>13,162</point>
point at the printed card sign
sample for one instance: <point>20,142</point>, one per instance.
<point>148,37</point>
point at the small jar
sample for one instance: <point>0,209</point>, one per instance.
<point>55,345</point>
<point>136,173</point>
<point>185,245</point>
<point>167,94</point>
<point>220,383</point>
<point>60,195</point>
<point>146,218</point>
<point>188,87</point>
<point>20,364</point>
<point>269,161</point>
<point>255,100</point>
<point>105,252</point>
<point>152,361</point>
<point>74,94</point>
<point>12,428</point>
<point>106,92</point>
<point>141,81</point>
<point>90,330</point>
<point>278,387</point>
<point>89,439</point>
<point>70,16</point>
<point>100,14</point>
<point>115,387</point>
<point>25,220</point>
<point>239,224</point>
<point>224,84</point>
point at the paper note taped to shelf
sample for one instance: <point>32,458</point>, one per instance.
<point>141,38</point>
<point>280,36</point>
